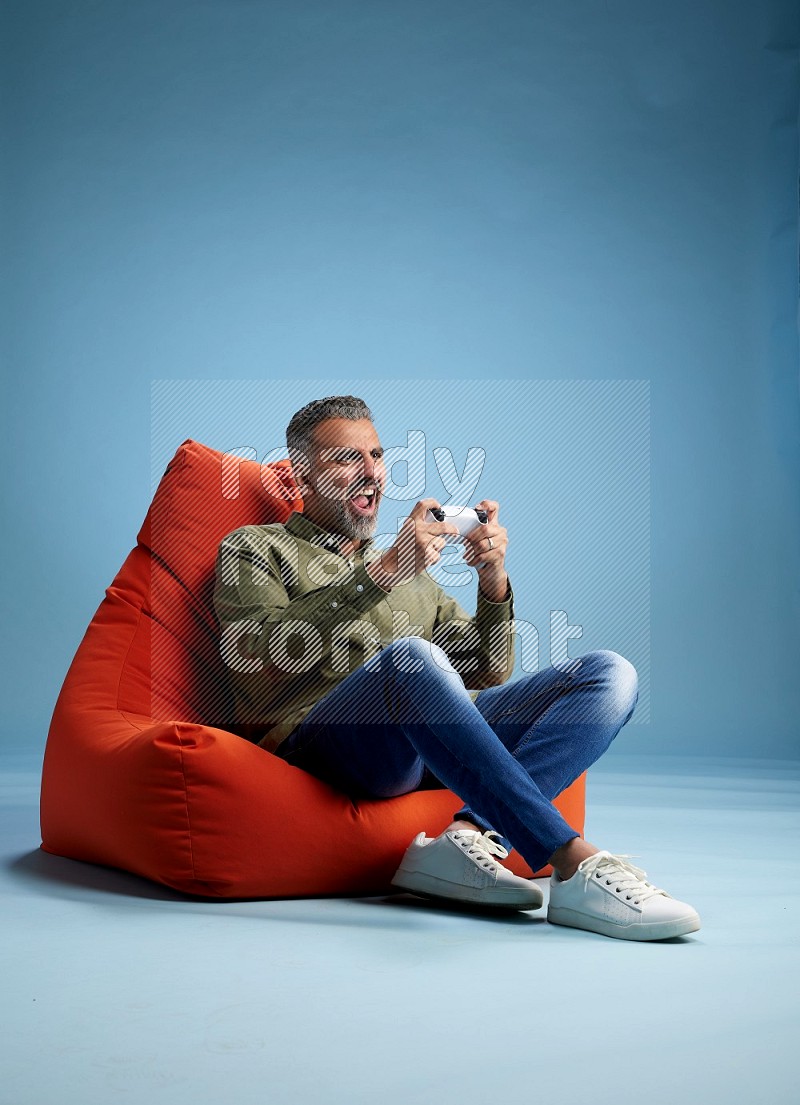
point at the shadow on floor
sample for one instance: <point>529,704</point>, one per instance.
<point>74,879</point>
<point>40,867</point>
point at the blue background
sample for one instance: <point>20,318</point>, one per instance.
<point>387,193</point>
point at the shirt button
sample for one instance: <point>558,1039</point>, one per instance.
<point>334,604</point>
<point>359,587</point>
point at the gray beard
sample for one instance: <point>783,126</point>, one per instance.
<point>356,529</point>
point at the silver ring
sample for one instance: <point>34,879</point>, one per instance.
<point>491,543</point>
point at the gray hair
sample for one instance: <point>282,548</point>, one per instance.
<point>300,431</point>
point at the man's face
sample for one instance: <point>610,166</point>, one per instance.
<point>346,478</point>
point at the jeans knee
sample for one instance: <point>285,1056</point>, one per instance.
<point>620,676</point>
<point>415,654</point>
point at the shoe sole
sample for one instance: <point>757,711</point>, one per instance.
<point>428,886</point>
<point>655,930</point>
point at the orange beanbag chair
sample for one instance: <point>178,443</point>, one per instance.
<point>144,768</point>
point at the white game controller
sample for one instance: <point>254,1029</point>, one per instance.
<point>462,516</point>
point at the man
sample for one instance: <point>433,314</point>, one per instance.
<point>351,658</point>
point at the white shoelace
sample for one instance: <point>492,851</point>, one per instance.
<point>482,844</point>
<point>619,873</point>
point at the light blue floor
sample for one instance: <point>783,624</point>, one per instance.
<point>116,990</point>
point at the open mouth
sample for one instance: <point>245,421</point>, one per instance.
<point>366,501</point>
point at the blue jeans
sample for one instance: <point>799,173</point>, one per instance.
<point>406,714</point>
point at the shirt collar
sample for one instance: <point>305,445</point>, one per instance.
<point>301,526</point>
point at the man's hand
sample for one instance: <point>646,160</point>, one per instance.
<point>419,544</point>
<point>486,545</point>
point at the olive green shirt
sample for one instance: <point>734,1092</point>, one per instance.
<point>297,617</point>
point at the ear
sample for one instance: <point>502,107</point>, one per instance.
<point>300,473</point>
<point>303,486</point>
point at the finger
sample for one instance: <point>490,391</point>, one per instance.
<point>420,509</point>
<point>481,534</point>
<point>438,528</point>
<point>491,507</point>
<point>482,552</point>
<point>432,552</point>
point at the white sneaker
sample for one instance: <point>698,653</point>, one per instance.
<point>460,866</point>
<point>607,894</point>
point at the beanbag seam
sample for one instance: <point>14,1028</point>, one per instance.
<point>186,801</point>
<point>124,665</point>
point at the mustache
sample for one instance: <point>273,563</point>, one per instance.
<point>329,489</point>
